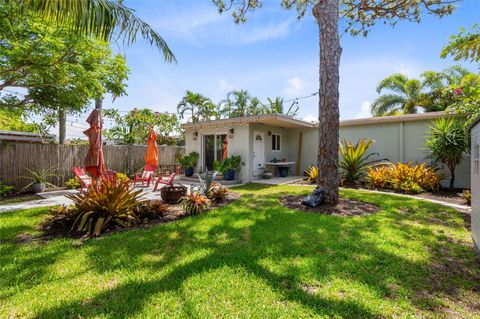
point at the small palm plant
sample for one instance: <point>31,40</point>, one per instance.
<point>448,142</point>
<point>353,160</point>
<point>39,178</point>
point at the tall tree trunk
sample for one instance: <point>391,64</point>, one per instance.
<point>452,178</point>
<point>98,103</point>
<point>62,126</point>
<point>326,13</point>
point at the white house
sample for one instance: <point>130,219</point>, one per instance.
<point>475,181</point>
<point>263,138</point>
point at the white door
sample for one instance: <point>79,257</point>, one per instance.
<point>258,152</point>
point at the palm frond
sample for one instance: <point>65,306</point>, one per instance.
<point>98,18</point>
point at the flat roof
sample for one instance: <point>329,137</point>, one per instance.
<point>289,122</point>
<point>268,119</point>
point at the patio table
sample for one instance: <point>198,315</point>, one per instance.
<point>276,165</point>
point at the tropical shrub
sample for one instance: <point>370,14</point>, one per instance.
<point>72,183</point>
<point>105,204</point>
<point>39,177</point>
<point>206,182</point>
<point>151,210</point>
<point>218,193</point>
<point>195,203</point>
<point>353,161</point>
<point>312,174</point>
<point>6,189</point>
<point>447,143</point>
<point>232,163</point>
<point>121,177</point>
<point>188,161</point>
<point>467,196</point>
<point>405,178</point>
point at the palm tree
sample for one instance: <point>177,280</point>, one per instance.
<point>404,96</point>
<point>276,106</point>
<point>198,105</point>
<point>103,19</point>
<point>240,103</point>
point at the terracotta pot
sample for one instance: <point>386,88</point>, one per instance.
<point>172,194</point>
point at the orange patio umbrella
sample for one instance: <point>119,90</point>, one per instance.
<point>151,157</point>
<point>94,162</point>
<point>225,148</point>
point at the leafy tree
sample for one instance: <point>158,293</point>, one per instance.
<point>133,128</point>
<point>12,120</point>
<point>240,103</point>
<point>466,94</point>
<point>104,19</point>
<point>200,107</point>
<point>63,75</point>
<point>435,84</point>
<point>465,45</point>
<point>404,96</point>
<point>358,16</point>
<point>448,141</point>
<point>277,106</point>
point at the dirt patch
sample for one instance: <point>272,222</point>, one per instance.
<point>60,225</point>
<point>446,196</point>
<point>345,207</point>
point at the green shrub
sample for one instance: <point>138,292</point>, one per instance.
<point>188,161</point>
<point>121,178</point>
<point>72,183</point>
<point>6,189</point>
<point>232,163</point>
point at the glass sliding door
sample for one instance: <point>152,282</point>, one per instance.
<point>212,149</point>
<point>208,151</point>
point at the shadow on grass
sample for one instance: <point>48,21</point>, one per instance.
<point>257,229</point>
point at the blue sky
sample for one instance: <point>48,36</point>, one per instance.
<point>274,54</point>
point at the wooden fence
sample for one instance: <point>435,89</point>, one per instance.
<point>15,157</point>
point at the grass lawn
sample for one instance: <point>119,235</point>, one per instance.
<point>253,258</point>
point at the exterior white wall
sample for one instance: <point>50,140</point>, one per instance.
<point>397,142</point>
<point>475,180</point>
<point>237,145</point>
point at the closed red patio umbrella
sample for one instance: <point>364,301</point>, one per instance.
<point>94,162</point>
<point>151,157</point>
<point>225,148</point>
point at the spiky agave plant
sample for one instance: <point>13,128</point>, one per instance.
<point>105,203</point>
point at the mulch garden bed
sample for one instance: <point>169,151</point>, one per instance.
<point>344,207</point>
<point>454,197</point>
<point>60,226</point>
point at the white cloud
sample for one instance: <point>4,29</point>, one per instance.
<point>311,118</point>
<point>296,86</point>
<point>364,111</point>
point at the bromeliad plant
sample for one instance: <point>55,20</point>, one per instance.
<point>353,160</point>
<point>39,177</point>
<point>312,174</point>
<point>218,193</point>
<point>104,204</point>
<point>405,178</point>
<point>195,203</point>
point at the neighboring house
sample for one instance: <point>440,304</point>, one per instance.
<point>262,138</point>
<point>25,137</point>
<point>475,131</point>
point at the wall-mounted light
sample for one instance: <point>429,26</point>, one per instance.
<point>231,131</point>
<point>195,135</point>
<point>269,133</point>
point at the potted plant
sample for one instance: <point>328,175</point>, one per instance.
<point>38,179</point>
<point>188,162</point>
<point>228,167</point>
